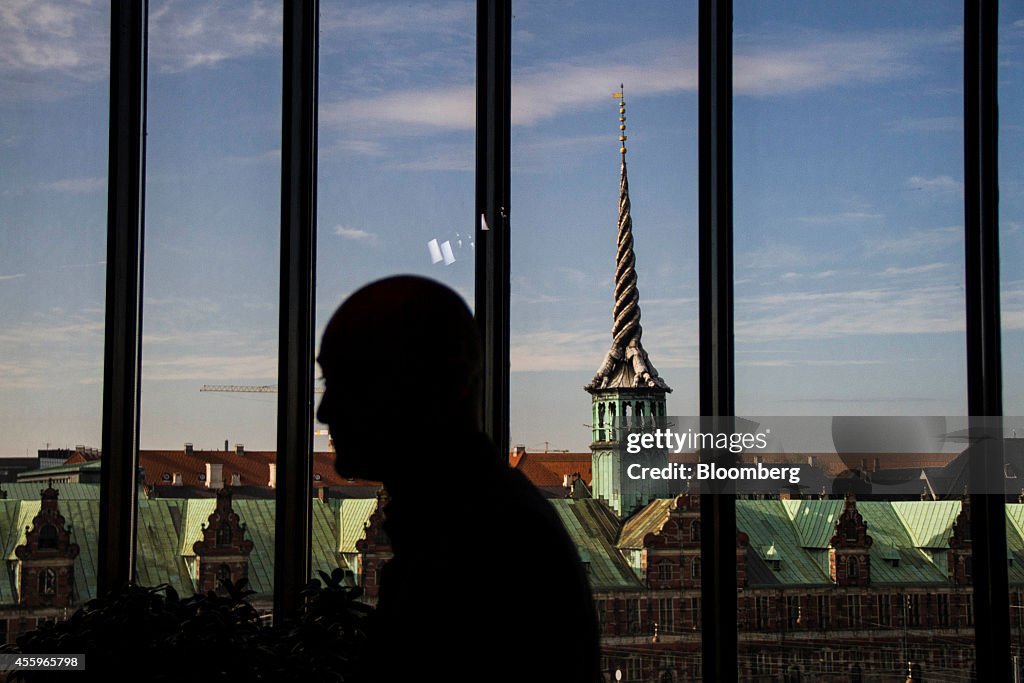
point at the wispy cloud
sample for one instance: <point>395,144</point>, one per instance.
<point>842,217</point>
<point>14,276</point>
<point>186,35</point>
<point>69,38</point>
<point>356,234</point>
<point>933,124</point>
<point>942,184</point>
<point>918,241</point>
<point>78,185</point>
<point>377,19</point>
<point>211,367</point>
<point>915,270</point>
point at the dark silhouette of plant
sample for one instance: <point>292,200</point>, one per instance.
<point>150,633</point>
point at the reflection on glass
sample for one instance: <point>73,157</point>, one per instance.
<point>209,349</point>
<point>849,301</point>
<point>53,168</point>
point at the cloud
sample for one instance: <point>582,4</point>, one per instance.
<point>840,218</point>
<point>918,241</point>
<point>211,367</point>
<point>69,38</point>
<point>188,35</point>
<point>380,19</point>
<point>78,185</point>
<point>12,277</point>
<point>942,184</point>
<point>356,234</point>
<point>933,124</point>
<point>883,311</point>
<point>915,270</point>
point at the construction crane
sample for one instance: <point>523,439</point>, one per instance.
<point>249,388</point>
<point>258,389</point>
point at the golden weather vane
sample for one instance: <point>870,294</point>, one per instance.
<point>621,97</point>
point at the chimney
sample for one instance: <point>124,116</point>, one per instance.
<point>321,492</point>
<point>239,449</point>
<point>188,448</point>
<point>273,476</point>
<point>176,479</point>
<point>225,445</point>
<point>518,450</point>
<point>214,475</point>
<point>236,479</point>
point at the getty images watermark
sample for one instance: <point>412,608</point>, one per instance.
<point>928,457</point>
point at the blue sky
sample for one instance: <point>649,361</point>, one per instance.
<point>848,211</point>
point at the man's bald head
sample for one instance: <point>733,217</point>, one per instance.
<point>403,350</point>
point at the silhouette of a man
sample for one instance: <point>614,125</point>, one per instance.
<point>485,583</point>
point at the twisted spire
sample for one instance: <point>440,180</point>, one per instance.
<point>626,365</point>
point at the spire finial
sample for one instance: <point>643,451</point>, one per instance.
<point>626,364</point>
<point>621,97</point>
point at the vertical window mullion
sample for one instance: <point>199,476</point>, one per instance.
<point>717,385</point>
<point>293,521</point>
<point>493,123</point>
<point>984,365</point>
<point>123,332</point>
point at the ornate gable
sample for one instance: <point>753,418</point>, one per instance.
<point>47,558</point>
<point>850,547</point>
<point>223,552</point>
<point>959,556</point>
<point>374,548</point>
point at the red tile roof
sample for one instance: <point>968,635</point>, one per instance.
<point>252,467</point>
<point>550,469</point>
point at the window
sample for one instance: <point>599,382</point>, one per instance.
<point>763,616</point>
<point>824,620</point>
<point>633,616</point>
<point>792,611</point>
<point>665,571</point>
<point>47,582</point>
<point>853,610</point>
<point>666,617</point>
<point>760,367</point>
<point>695,567</point>
<point>884,609</point>
<point>942,609</point>
<point>48,537</point>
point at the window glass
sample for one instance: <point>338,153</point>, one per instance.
<point>849,267</point>
<point>568,61</point>
<point>54,95</point>
<point>210,307</point>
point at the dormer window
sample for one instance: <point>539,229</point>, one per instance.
<point>47,582</point>
<point>48,537</point>
<point>852,567</point>
<point>775,565</point>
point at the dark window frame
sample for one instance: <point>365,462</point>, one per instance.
<point>123,335</point>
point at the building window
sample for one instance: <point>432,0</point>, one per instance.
<point>853,610</point>
<point>695,530</point>
<point>47,582</point>
<point>695,608</point>
<point>633,669</point>
<point>695,567</point>
<point>792,611</point>
<point>823,612</point>
<point>762,612</point>
<point>48,537</point>
<point>666,618</point>
<point>665,572</point>
<point>599,606</point>
<point>633,616</point>
<point>884,609</point>
<point>914,604</point>
<point>852,567</point>
<point>942,608</point>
